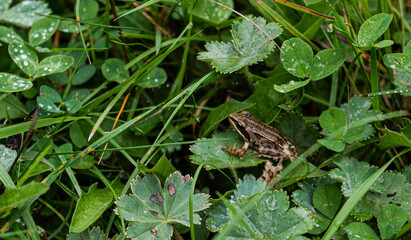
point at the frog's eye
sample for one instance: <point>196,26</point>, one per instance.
<point>240,125</point>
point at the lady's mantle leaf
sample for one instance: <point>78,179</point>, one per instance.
<point>95,234</point>
<point>353,173</point>
<point>153,209</point>
<point>13,83</point>
<point>269,218</point>
<point>249,45</point>
<point>210,151</point>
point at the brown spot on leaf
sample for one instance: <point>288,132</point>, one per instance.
<point>154,231</point>
<point>154,213</point>
<point>159,197</point>
<point>171,189</point>
<point>153,198</point>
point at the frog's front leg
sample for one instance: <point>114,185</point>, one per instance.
<point>238,152</point>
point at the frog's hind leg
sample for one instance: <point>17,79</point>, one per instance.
<point>238,152</point>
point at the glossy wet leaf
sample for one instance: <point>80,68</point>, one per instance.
<point>291,86</point>
<point>333,121</point>
<point>220,113</point>
<point>212,12</point>
<point>113,70</point>
<point>89,207</point>
<point>373,28</point>
<point>25,13</point>
<point>371,204</point>
<point>209,151</point>
<point>83,74</point>
<point>13,83</point>
<point>154,79</point>
<point>94,234</point>
<point>42,30</point>
<point>47,104</point>
<point>249,46</point>
<point>53,64</point>
<point>390,220</point>
<point>326,62</point>
<point>384,44</point>
<point>270,217</point>
<point>399,61</point>
<point>7,156</point>
<point>50,93</point>
<point>24,56</point>
<point>7,35</point>
<point>152,209</point>
<point>360,231</point>
<point>14,197</point>
<point>72,105</point>
<point>297,57</point>
<point>88,9</point>
<point>353,173</point>
<point>327,199</point>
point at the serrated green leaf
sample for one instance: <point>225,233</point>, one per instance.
<point>266,99</point>
<point>248,187</point>
<point>394,139</point>
<point>93,234</point>
<point>113,70</point>
<point>7,156</point>
<point>7,35</point>
<point>249,46</point>
<point>24,56</point>
<point>83,74</point>
<point>404,194</point>
<point>53,64</point>
<point>162,169</point>
<point>218,217</point>
<point>42,30</point>
<point>327,199</point>
<point>326,62</point>
<point>220,113</point>
<point>291,86</point>
<point>47,104</point>
<point>353,173</point>
<point>333,121</point>
<point>214,13</point>
<point>150,206</point>
<point>360,231</point>
<point>154,79</point>
<point>25,13</point>
<point>335,145</point>
<point>269,218</point>
<point>89,207</point>
<point>14,197</point>
<point>209,151</point>
<point>50,93</point>
<point>297,57</point>
<point>13,83</point>
<point>390,220</point>
<point>296,130</point>
<point>373,28</point>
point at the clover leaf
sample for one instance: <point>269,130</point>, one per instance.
<point>250,45</point>
<point>152,209</point>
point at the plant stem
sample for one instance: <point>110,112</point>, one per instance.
<point>375,83</point>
